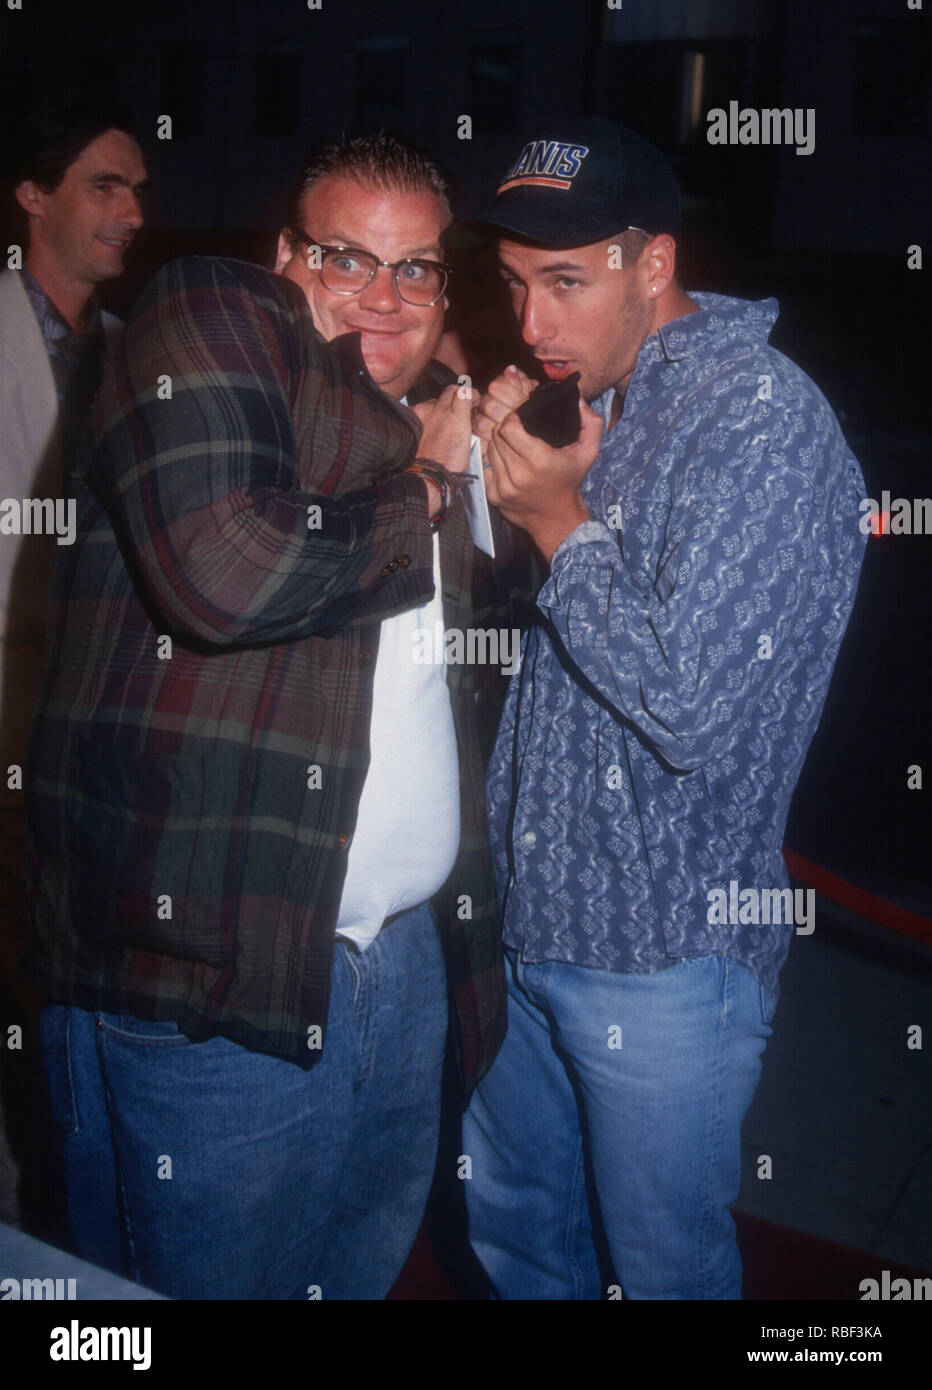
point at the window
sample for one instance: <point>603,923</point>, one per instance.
<point>891,91</point>
<point>181,73</point>
<point>493,84</point>
<point>277,93</point>
<point>380,90</point>
<point>665,89</point>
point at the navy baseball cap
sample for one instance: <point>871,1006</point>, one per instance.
<point>582,180</point>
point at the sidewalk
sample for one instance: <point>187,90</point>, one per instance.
<point>844,1107</point>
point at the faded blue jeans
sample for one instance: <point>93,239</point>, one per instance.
<point>205,1170</point>
<point>625,1091</point>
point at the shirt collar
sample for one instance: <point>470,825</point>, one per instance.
<point>718,313</point>
<point>49,314</point>
<point>719,317</point>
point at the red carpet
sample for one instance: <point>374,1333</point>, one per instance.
<point>778,1264</point>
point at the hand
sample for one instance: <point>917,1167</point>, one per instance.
<point>504,395</point>
<point>537,487</point>
<point>447,426</point>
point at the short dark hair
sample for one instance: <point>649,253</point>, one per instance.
<point>48,141</point>
<point>632,241</point>
<point>379,159</point>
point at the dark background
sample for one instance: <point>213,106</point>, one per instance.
<point>250,86</point>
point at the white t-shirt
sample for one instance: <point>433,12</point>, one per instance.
<point>408,829</point>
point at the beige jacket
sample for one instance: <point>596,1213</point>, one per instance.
<point>30,466</point>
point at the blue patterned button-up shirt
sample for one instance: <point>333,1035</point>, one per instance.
<point>685,641</point>
<point>75,358</point>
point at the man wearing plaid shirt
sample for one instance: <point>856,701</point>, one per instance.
<point>254,818</point>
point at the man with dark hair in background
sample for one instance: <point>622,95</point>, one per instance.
<point>76,174</point>
<point>256,821</point>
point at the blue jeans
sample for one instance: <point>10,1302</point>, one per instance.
<point>205,1170</point>
<point>625,1093</point>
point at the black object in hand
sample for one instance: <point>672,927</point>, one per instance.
<point>551,413</point>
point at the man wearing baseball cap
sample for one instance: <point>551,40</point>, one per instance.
<point>703,542</point>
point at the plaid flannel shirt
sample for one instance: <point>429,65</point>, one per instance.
<point>203,733</point>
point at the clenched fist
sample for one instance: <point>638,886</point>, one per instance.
<point>447,423</point>
<point>532,484</point>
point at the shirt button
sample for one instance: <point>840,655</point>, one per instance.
<point>393,565</point>
<point>404,561</point>
<point>530,837</point>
